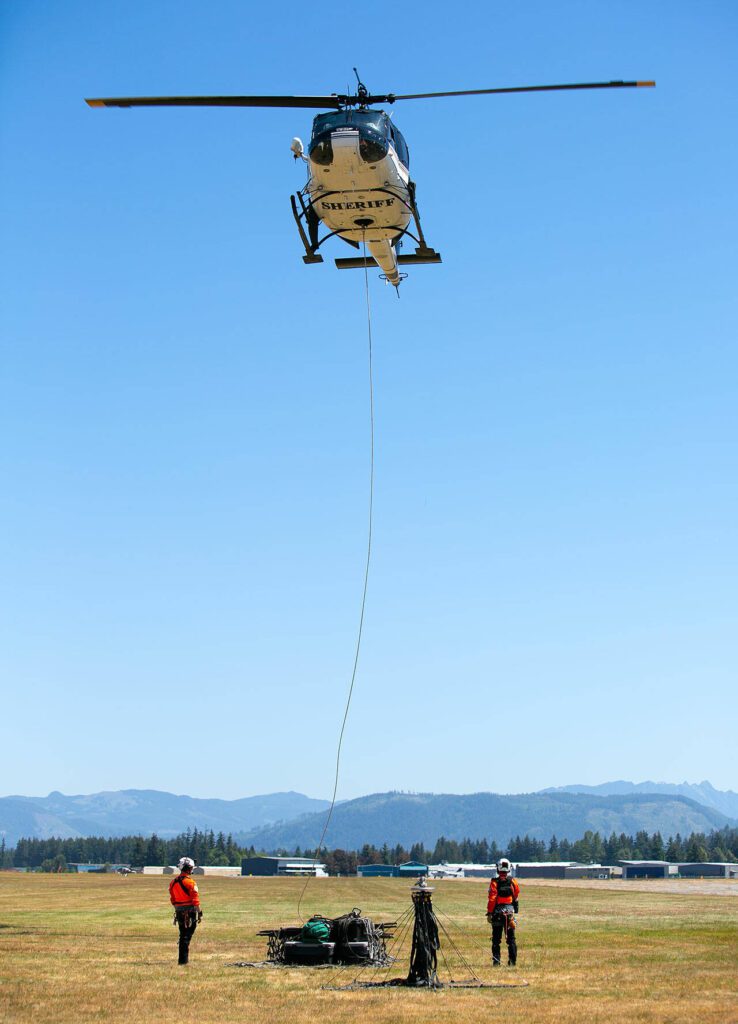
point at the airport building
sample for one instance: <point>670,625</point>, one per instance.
<point>95,869</point>
<point>201,869</point>
<point>599,871</point>
<point>217,871</point>
<point>542,869</point>
<point>649,869</point>
<point>716,869</point>
<point>283,866</point>
<point>525,869</point>
<point>410,869</point>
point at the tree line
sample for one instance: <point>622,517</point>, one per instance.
<point>205,847</point>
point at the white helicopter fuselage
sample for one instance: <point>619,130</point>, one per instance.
<point>363,201</point>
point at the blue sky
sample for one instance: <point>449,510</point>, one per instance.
<point>184,408</point>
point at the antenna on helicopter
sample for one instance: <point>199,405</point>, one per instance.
<point>362,91</point>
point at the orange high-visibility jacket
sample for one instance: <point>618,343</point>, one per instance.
<point>503,894</point>
<point>183,891</point>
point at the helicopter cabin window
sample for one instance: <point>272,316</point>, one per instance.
<point>322,152</point>
<point>372,150</point>
<point>398,140</point>
<point>372,126</point>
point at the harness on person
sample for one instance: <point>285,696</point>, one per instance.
<point>505,888</point>
<point>178,881</point>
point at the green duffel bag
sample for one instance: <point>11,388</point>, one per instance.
<point>316,930</point>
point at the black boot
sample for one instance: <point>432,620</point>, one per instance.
<point>184,943</point>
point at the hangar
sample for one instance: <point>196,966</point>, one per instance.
<point>648,869</point>
<point>283,866</point>
<point>714,869</point>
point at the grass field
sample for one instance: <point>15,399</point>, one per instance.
<point>76,948</point>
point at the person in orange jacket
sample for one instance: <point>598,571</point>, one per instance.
<point>502,905</point>
<point>185,899</point>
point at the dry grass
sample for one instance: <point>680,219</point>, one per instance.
<point>90,948</point>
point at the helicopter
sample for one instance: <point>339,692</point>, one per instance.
<point>358,184</point>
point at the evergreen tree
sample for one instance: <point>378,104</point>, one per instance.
<point>138,852</point>
<point>641,845</point>
<point>156,851</point>
<point>674,849</point>
<point>696,850</point>
<point>399,854</point>
<point>232,852</point>
<point>419,854</point>
<point>657,850</point>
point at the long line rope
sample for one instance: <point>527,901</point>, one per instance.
<point>366,582</point>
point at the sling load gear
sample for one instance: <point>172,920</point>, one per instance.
<point>349,939</point>
<point>316,929</point>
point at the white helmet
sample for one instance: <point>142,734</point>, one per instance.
<point>503,864</point>
<point>186,864</point>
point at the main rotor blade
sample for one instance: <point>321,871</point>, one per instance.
<point>219,101</point>
<point>518,88</point>
<point>336,100</point>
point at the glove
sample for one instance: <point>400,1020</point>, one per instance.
<point>515,906</point>
<point>199,915</point>
<point>489,917</point>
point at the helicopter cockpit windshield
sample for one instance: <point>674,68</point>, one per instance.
<point>375,134</point>
<point>372,120</point>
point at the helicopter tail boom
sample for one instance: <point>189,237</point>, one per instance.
<point>385,257</point>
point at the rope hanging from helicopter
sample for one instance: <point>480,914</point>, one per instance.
<point>366,577</point>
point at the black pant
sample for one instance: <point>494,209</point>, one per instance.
<point>502,923</point>
<point>187,921</point>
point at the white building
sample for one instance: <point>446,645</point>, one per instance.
<point>218,871</point>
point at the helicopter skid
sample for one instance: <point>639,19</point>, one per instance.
<point>359,262</point>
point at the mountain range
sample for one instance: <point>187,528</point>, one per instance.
<point>725,801</point>
<point>410,818</point>
<point>291,819</point>
<point>134,811</point>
